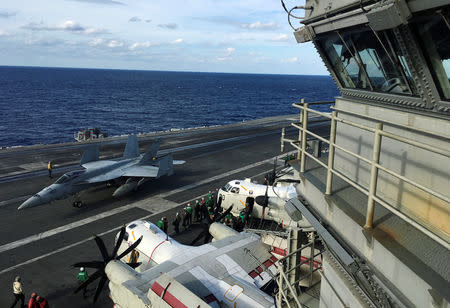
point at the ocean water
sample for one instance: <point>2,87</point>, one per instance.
<point>47,105</point>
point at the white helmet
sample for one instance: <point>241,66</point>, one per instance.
<point>81,269</point>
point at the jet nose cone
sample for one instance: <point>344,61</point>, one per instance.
<point>30,202</point>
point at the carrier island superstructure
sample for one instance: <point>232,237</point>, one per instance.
<point>380,198</point>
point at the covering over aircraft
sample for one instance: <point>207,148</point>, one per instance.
<point>133,167</point>
<point>228,272</point>
<point>263,201</point>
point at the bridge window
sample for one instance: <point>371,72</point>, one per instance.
<point>435,38</point>
<point>369,60</point>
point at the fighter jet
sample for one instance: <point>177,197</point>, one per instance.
<point>229,272</point>
<point>134,167</point>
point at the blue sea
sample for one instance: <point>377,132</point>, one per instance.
<point>47,105</point>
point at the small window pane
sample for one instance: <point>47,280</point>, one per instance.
<point>368,60</point>
<point>435,35</point>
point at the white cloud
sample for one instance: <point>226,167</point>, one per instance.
<point>281,38</point>
<point>230,50</point>
<point>170,26</point>
<point>68,25</point>
<point>7,14</point>
<point>227,56</point>
<point>134,19</point>
<point>290,60</point>
<point>260,26</point>
<point>114,44</point>
<point>108,2</point>
<point>177,41</point>
<point>139,45</point>
<point>3,33</point>
<point>96,42</point>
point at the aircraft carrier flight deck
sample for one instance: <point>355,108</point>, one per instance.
<point>40,244</point>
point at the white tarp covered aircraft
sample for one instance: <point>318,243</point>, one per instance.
<point>264,201</point>
<point>227,272</point>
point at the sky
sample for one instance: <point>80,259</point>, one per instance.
<point>233,36</point>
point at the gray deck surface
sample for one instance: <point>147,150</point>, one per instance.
<point>44,259</point>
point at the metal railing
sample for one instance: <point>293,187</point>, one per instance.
<point>288,287</point>
<point>378,132</point>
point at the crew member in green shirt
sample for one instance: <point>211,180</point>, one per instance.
<point>82,277</point>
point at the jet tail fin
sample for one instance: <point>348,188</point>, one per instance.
<point>165,164</point>
<point>151,152</point>
<point>132,147</point>
<point>89,155</point>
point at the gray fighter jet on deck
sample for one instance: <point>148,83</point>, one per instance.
<point>134,167</point>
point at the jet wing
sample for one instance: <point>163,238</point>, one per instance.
<point>141,171</point>
<point>99,164</point>
<point>111,175</point>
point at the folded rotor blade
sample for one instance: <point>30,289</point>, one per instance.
<point>101,246</point>
<point>224,213</point>
<point>208,238</point>
<point>202,234</point>
<point>100,286</point>
<point>129,249</point>
<point>119,241</point>
<point>91,278</point>
<point>92,264</point>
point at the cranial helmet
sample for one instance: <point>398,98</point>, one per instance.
<point>81,269</point>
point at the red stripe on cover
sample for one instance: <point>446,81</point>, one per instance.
<point>268,263</point>
<point>253,274</point>
<point>157,288</point>
<point>168,297</point>
<point>279,251</point>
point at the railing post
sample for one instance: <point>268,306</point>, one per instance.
<point>280,285</point>
<point>283,133</point>
<point>331,153</point>
<point>305,127</point>
<point>299,153</point>
<point>373,176</point>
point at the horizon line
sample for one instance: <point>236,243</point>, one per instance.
<point>149,70</point>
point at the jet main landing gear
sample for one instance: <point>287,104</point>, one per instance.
<point>77,204</point>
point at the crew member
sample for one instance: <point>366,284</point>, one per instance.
<point>203,208</point>
<point>185,218</point>
<point>82,277</point>
<point>209,200</point>
<point>166,224</point>
<point>176,223</point>
<point>32,302</point>
<point>49,167</point>
<point>18,292</point>
<point>160,223</point>
<point>189,214</point>
<point>43,303</point>
<point>197,211</point>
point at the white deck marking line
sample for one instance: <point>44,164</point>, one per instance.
<point>82,222</point>
<point>90,238</point>
<point>85,240</point>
